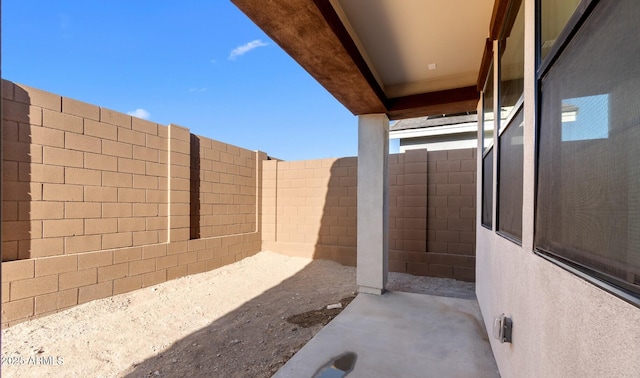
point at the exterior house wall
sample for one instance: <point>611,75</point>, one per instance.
<point>563,326</point>
<point>97,203</point>
<point>310,210</point>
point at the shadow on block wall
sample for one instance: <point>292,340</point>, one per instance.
<point>20,186</point>
<point>194,214</point>
<point>337,233</point>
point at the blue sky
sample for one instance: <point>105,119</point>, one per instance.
<point>200,64</point>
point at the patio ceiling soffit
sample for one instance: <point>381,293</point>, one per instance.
<point>311,32</point>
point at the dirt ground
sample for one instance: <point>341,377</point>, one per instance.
<point>242,320</point>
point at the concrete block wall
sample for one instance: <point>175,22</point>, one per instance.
<point>309,209</point>
<point>97,203</point>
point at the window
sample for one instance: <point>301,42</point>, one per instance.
<point>487,144</point>
<point>487,189</point>
<point>554,16</point>
<point>510,146</point>
<point>510,161</point>
<point>588,190</point>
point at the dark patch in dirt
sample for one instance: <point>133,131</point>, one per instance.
<point>322,316</point>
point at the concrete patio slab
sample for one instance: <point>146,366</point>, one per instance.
<point>401,335</point>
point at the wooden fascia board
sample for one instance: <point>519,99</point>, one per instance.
<point>448,101</point>
<point>307,31</point>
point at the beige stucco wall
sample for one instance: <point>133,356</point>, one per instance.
<point>563,326</point>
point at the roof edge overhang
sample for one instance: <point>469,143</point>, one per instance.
<point>311,32</point>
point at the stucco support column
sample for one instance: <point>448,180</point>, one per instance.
<point>373,208</point>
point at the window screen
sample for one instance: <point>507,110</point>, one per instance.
<point>487,189</point>
<point>510,178</point>
<point>588,196</point>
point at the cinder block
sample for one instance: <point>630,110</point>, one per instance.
<point>144,126</point>
<point>119,149</point>
<point>145,237</point>
<point>460,248</point>
<point>131,166</point>
<point>461,177</point>
<point>7,89</point>
<point>197,267</point>
<point>146,210</point>
<point>131,195</point>
<point>97,291</point>
<point>127,254</point>
<point>145,153</point>
<point>156,196</point>
<point>55,301</point>
<point>468,190</point>
<point>95,259</point>
<point>131,224</point>
<point>460,224</point>
<point>37,97</point>
<point>61,121</point>
<point>447,212</point>
<point>100,130</point>
<point>444,271</point>
<point>81,176</point>
<point>76,244</point>
<point>35,210</point>
<point>100,194</point>
<point>32,287</point>
<point>45,248</point>
<point>117,210</point>
<point>5,292</point>
<point>145,182</point>
<point>153,251</point>
<point>100,162</point>
<point>62,227</point>
<point>154,278</point>
<point>62,192</point>
<point>166,262</point>
<point>462,154</point>
<point>177,272</point>
<point>23,113</point>
<point>418,269</point>
<point>156,223</point>
<point>55,265</point>
<point>187,258</point>
<point>117,179</point>
<point>142,266</point>
<point>117,240</point>
<point>126,284</point>
<point>112,272</point>
<point>61,156</point>
<point>21,230</point>
<point>100,226</point>
<point>81,109</point>
<point>15,310</point>
<point>132,137</point>
<point>157,142</point>
<point>17,270</point>
<point>115,118</point>
<point>24,152</point>
<point>41,135</point>
<point>464,273</point>
<point>76,279</point>
<point>82,210</point>
<point>73,141</point>
<point>468,166</point>
<point>156,169</point>
<point>448,189</point>
<point>448,236</point>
